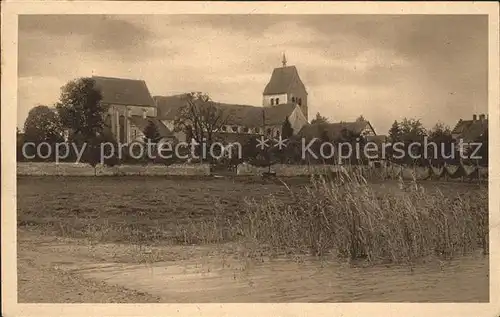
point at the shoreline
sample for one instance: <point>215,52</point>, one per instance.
<point>79,272</point>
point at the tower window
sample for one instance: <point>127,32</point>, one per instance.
<point>272,101</point>
<point>293,99</point>
<point>277,101</point>
<point>269,131</point>
<point>235,128</point>
<point>300,101</point>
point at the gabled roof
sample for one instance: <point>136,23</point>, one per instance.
<point>142,123</point>
<point>283,80</point>
<point>121,91</point>
<point>277,114</point>
<point>241,115</point>
<point>168,107</point>
<point>377,139</point>
<point>333,130</point>
<point>470,130</point>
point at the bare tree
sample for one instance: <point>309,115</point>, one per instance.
<point>200,118</point>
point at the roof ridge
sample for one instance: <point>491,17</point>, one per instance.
<point>119,78</point>
<point>170,96</point>
<point>237,105</point>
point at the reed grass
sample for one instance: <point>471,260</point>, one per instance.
<point>340,214</point>
<point>347,217</point>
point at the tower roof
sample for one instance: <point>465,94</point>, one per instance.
<point>283,80</point>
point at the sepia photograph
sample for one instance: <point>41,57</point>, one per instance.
<point>251,157</point>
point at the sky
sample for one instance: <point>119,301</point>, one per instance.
<point>428,67</point>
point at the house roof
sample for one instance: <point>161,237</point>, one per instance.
<point>242,115</point>
<point>470,130</point>
<point>122,91</point>
<point>283,79</point>
<point>168,107</point>
<point>333,130</point>
<point>377,139</point>
<point>142,123</point>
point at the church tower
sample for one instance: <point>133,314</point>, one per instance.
<point>285,86</point>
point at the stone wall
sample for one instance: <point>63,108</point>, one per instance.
<point>286,170</point>
<point>76,169</point>
<point>72,169</point>
<point>52,169</point>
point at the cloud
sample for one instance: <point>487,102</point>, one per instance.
<point>384,67</point>
<point>54,44</point>
<point>97,32</point>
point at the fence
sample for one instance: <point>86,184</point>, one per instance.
<point>390,172</point>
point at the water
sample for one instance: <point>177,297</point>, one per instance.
<point>283,280</point>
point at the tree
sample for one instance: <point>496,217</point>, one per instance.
<point>200,119</point>
<point>250,150</point>
<point>42,125</point>
<point>82,113</point>
<point>412,131</point>
<point>267,156</point>
<point>395,132</point>
<point>440,135</point>
<point>286,130</point>
<point>319,119</point>
<point>151,133</point>
<point>360,119</point>
<point>80,108</point>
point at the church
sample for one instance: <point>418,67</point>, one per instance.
<point>131,108</point>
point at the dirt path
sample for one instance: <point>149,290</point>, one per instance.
<point>40,280</point>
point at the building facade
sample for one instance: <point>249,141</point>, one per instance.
<point>284,98</point>
<point>130,108</point>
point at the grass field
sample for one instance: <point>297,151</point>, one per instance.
<point>374,221</point>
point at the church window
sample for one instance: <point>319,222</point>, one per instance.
<point>272,101</point>
<point>277,101</point>
<point>223,128</point>
<point>277,133</point>
<point>293,99</point>
<point>269,131</point>
<point>235,128</point>
<point>300,101</point>
<point>245,129</point>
